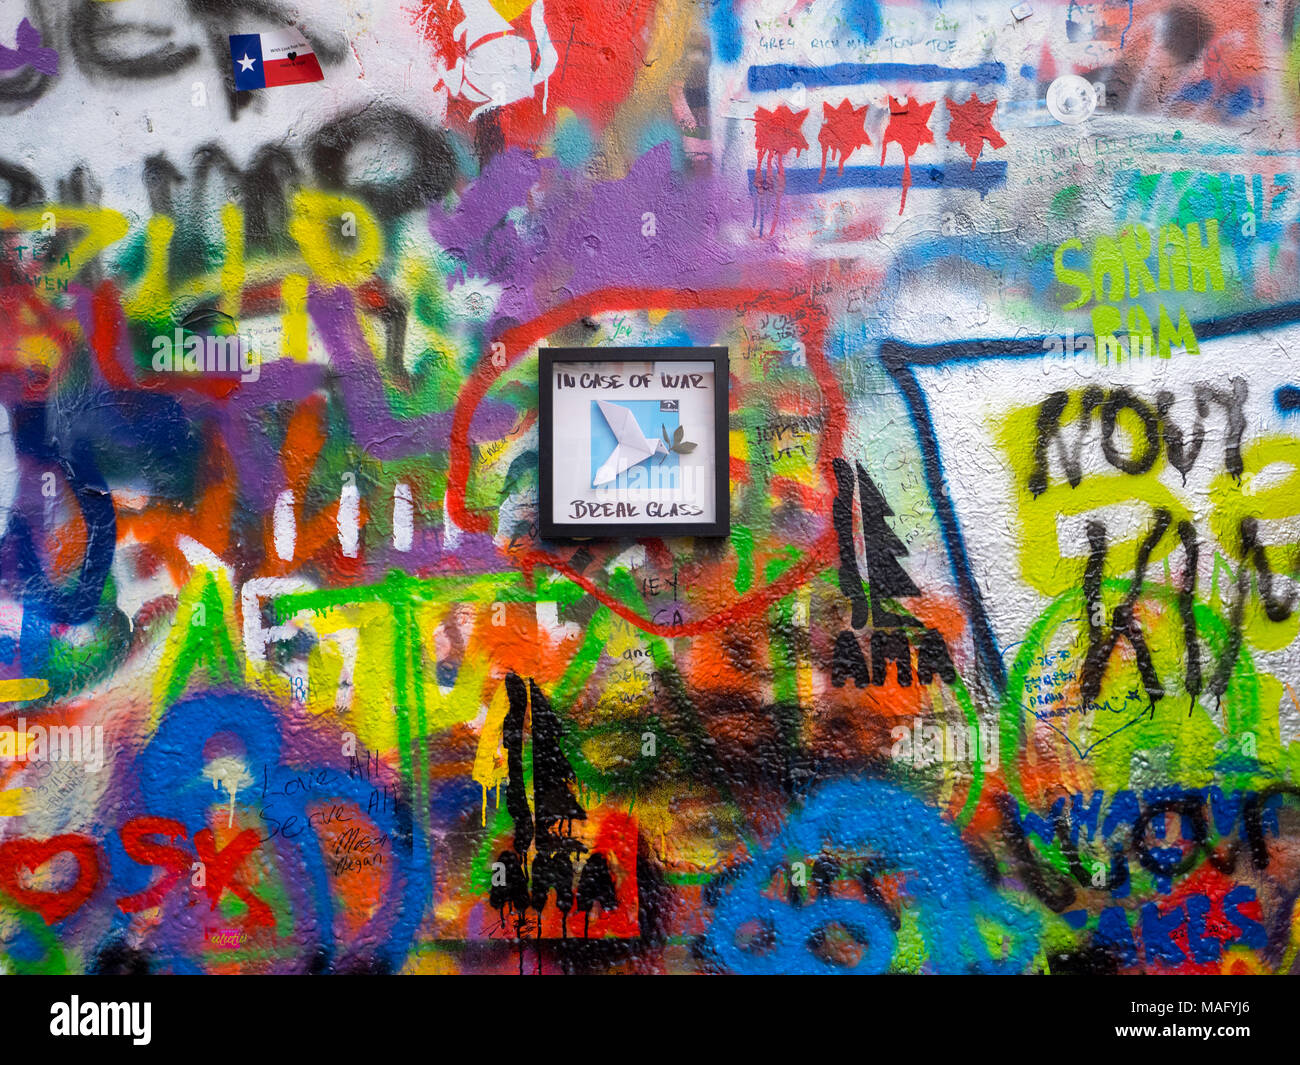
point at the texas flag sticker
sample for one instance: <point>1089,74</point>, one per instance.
<point>264,60</point>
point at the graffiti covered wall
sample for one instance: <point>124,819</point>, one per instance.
<point>997,670</point>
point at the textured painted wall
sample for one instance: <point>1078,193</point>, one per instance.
<point>997,670</point>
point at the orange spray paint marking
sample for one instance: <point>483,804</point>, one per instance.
<point>315,536</point>
<point>159,526</point>
<point>909,126</point>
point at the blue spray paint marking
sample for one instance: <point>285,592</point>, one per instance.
<point>1196,93</point>
<point>900,834</point>
<point>726,30</point>
<point>115,433</point>
<point>864,17</point>
<point>786,75</point>
<point>804,180</point>
<point>1239,102</point>
<point>75,604</point>
<point>170,771</point>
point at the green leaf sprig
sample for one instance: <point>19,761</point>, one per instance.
<point>676,444</point>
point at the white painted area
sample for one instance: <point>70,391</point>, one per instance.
<point>403,517</point>
<point>257,635</point>
<point>349,521</point>
<point>229,774</point>
<point>285,526</point>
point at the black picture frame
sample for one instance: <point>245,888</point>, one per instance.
<point>548,359</point>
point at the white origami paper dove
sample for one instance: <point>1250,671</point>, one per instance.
<point>632,446</point>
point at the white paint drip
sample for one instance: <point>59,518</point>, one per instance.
<point>9,473</point>
<point>285,526</point>
<point>403,517</point>
<point>349,520</point>
<point>228,773</point>
<point>256,636</point>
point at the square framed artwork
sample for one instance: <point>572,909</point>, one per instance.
<point>633,442</point>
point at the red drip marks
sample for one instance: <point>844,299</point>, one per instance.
<point>775,133</point>
<point>599,46</point>
<point>843,132</point>
<point>909,126</point>
<point>972,124</point>
<point>437,19</point>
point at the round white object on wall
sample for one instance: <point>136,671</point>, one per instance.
<point>1071,99</point>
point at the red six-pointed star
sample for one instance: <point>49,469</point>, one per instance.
<point>972,124</point>
<point>909,126</point>
<point>843,132</point>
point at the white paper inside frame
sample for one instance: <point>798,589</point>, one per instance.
<point>674,484</point>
